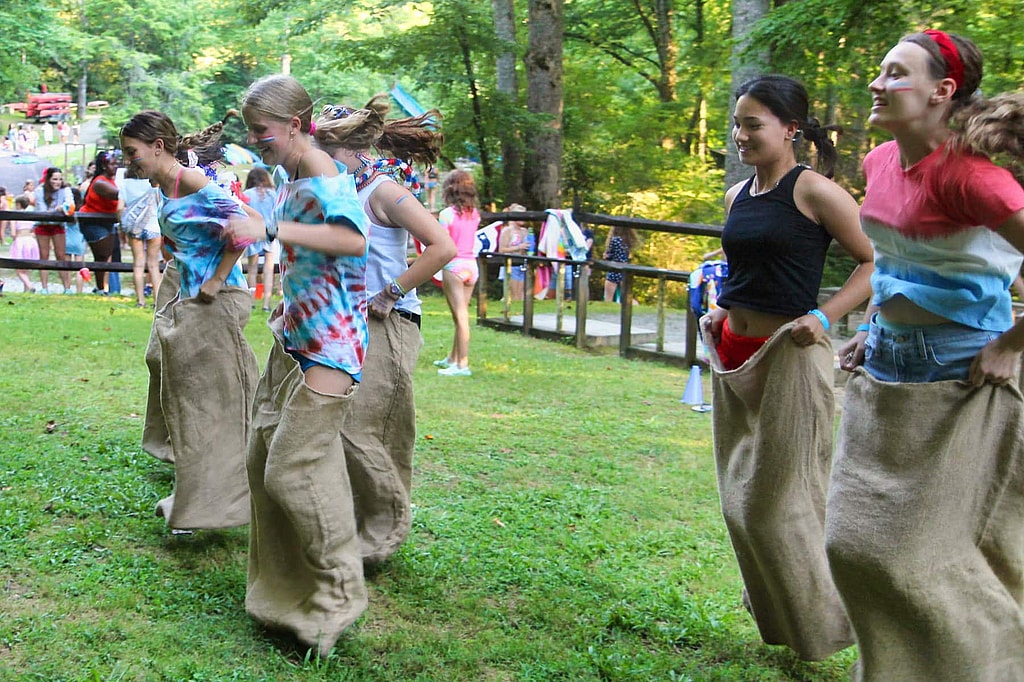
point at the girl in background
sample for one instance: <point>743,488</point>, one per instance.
<point>259,189</point>
<point>514,240</point>
<point>461,218</point>
<point>380,430</point>
<point>621,241</point>
<point>305,564</point>
<point>25,246</point>
<point>100,196</point>
<point>53,196</point>
<point>140,206</point>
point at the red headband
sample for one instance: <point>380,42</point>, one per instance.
<point>950,53</point>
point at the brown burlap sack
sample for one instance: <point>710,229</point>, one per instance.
<point>773,419</point>
<point>925,530</point>
<point>305,565</point>
<point>207,383</point>
<point>155,438</point>
<point>379,434</point>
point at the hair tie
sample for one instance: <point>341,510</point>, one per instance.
<point>312,127</point>
<point>336,112</point>
<point>951,55</point>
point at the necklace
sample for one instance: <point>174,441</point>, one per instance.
<point>755,190</point>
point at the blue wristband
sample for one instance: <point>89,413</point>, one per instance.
<point>863,327</point>
<point>821,316</point>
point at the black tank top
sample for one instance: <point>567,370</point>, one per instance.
<point>776,254</point>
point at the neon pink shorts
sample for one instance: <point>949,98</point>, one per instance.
<point>465,269</point>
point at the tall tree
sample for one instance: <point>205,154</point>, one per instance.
<point>542,173</point>
<point>748,61</point>
<point>508,87</point>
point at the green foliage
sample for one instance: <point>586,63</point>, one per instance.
<point>627,146</point>
<point>553,537</point>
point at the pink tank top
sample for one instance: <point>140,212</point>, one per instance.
<point>462,228</point>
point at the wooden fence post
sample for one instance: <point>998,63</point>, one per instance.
<point>582,299</point>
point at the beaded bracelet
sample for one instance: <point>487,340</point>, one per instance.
<point>821,316</point>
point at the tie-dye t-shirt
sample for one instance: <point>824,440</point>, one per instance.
<point>193,226</point>
<point>933,227</point>
<point>324,296</point>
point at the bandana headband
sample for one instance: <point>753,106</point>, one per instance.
<point>951,55</point>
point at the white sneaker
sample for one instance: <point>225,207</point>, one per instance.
<point>455,371</point>
<point>443,364</point>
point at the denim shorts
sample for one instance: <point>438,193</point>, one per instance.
<point>95,231</point>
<point>917,355</point>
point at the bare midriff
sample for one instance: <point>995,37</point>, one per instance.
<point>901,310</point>
<point>746,322</point>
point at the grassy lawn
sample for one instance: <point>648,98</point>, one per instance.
<point>566,525</point>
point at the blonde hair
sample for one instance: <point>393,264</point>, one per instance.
<point>994,128</point>
<point>280,98</point>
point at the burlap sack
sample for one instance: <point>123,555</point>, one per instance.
<point>305,566</point>
<point>207,382</point>
<point>925,530</point>
<point>155,438</point>
<point>379,434</point>
<point>773,419</point>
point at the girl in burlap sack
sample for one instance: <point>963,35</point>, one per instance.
<point>207,369</point>
<point>305,564</point>
<point>772,365</point>
<point>380,430</point>
<point>925,531</point>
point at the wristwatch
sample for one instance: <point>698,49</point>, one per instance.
<point>395,289</point>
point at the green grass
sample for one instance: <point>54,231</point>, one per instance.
<point>566,526</point>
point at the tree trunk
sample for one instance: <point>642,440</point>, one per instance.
<point>83,82</point>
<point>508,85</point>
<point>541,175</point>
<point>486,194</point>
<point>668,50</point>
<point>745,13</point>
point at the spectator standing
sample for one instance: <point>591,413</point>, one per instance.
<point>513,240</point>
<point>461,218</point>
<point>101,196</point>
<point>53,196</point>
<point>24,246</point>
<point>139,205</point>
<point>260,191</point>
<point>619,248</point>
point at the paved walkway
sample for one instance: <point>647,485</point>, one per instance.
<point>17,167</point>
